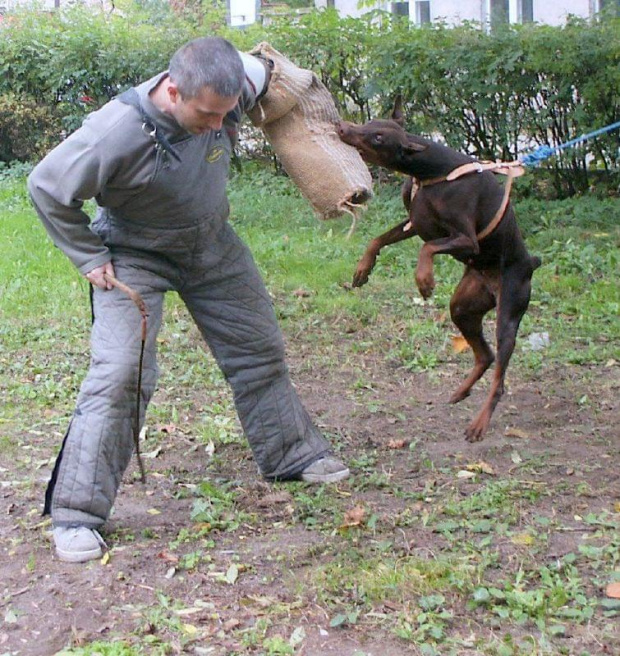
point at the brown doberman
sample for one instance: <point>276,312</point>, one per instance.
<point>456,206</point>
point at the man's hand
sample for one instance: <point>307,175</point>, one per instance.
<point>96,276</point>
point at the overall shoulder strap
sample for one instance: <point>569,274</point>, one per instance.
<point>131,97</point>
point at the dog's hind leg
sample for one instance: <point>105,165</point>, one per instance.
<point>458,245</point>
<point>472,299</point>
<point>514,298</point>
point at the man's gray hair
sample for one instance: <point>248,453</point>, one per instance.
<point>211,62</point>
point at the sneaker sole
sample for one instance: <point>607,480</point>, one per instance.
<point>79,556</point>
<point>325,478</point>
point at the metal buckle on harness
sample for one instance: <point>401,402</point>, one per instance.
<point>150,130</point>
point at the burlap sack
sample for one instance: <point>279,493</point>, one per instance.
<point>298,117</point>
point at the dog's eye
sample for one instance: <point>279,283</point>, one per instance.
<point>377,139</point>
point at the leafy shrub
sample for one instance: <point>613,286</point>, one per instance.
<point>495,95</point>
<point>27,129</point>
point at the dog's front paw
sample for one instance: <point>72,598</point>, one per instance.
<point>476,430</point>
<point>360,277</point>
<point>426,286</point>
<point>364,267</point>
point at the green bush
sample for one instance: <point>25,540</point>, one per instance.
<point>27,129</point>
<point>494,95</point>
<point>74,60</point>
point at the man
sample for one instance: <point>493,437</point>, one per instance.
<point>157,162</point>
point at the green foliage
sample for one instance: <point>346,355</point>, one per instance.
<point>574,76</point>
<point>336,49</point>
<point>215,507</point>
<point>492,94</point>
<point>99,648</point>
<point>489,93</point>
<point>71,61</point>
<point>27,129</point>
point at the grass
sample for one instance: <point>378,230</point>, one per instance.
<point>485,571</point>
<point>576,298</point>
<point>308,266</point>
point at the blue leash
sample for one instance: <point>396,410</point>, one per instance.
<point>544,152</point>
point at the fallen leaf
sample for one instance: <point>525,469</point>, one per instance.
<point>232,574</point>
<point>167,428</point>
<point>524,539</point>
<point>301,293</point>
<point>482,467</point>
<point>397,444</point>
<point>10,617</point>
<point>297,637</point>
<point>185,612</point>
<point>465,474</point>
<point>511,431</point>
<point>613,590</point>
<point>459,343</point>
<point>231,624</point>
<point>516,458</point>
<point>274,498</point>
<point>168,557</point>
<point>153,511</point>
<point>190,629</point>
<point>617,507</point>
<point>354,517</point>
<point>105,559</point>
<point>263,602</point>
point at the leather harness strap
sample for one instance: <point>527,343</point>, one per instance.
<point>499,215</point>
<point>510,169</point>
<point>503,168</point>
<point>131,97</point>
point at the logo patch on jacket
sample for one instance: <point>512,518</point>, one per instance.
<point>214,154</point>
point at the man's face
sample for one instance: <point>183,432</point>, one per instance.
<point>203,113</point>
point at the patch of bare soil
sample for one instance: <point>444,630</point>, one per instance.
<point>558,432</point>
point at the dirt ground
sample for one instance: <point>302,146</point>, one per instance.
<point>557,429</point>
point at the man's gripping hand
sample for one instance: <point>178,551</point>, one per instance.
<point>96,277</point>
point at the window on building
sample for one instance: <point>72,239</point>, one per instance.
<point>422,12</point>
<point>400,8</point>
<point>525,12</point>
<point>499,12</point>
<point>331,3</point>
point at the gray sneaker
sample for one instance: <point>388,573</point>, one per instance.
<point>325,470</point>
<point>78,544</point>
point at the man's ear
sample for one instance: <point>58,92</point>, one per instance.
<point>397,111</point>
<point>173,93</point>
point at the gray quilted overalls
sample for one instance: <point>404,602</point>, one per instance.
<point>164,222</point>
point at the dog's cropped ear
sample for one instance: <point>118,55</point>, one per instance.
<point>397,111</point>
<point>414,147</point>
